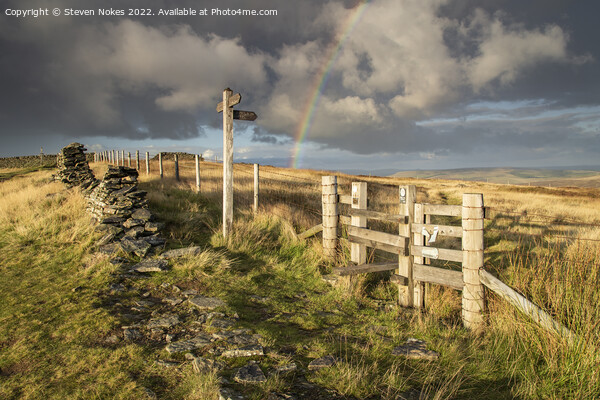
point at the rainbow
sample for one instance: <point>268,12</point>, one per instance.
<point>321,81</point>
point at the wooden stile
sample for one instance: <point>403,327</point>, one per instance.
<point>380,216</point>
<point>345,199</point>
<point>364,268</point>
<point>358,252</point>
<point>472,241</point>
<point>443,230</point>
<point>440,253</point>
<point>408,195</point>
<point>442,209</point>
<point>330,216</point>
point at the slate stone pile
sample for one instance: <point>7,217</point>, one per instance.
<point>124,219</point>
<point>73,168</point>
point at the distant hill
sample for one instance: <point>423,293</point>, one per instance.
<point>515,176</point>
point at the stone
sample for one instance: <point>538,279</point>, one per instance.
<point>244,339</point>
<point>415,349</point>
<point>323,362</point>
<point>186,251</point>
<point>135,232</point>
<point>280,396</point>
<point>138,247</point>
<point>172,301</point>
<point>197,342</point>
<point>246,351</point>
<point>107,238</point>
<point>164,322</point>
<point>131,222</point>
<point>112,339</point>
<point>201,364</point>
<point>285,368</point>
<point>153,227</point>
<point>112,220</point>
<point>154,265</point>
<point>250,373</point>
<point>131,334</point>
<point>220,323</point>
<point>109,249</point>
<point>229,394</point>
<point>154,240</point>
<point>206,303</point>
<point>167,363</point>
<point>141,213</point>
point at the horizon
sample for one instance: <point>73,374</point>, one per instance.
<point>337,85</point>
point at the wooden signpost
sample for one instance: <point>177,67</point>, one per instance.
<point>226,107</point>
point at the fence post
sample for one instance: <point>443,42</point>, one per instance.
<point>419,240</point>
<point>256,188</point>
<point>160,166</point>
<point>358,252</point>
<point>227,162</point>
<point>123,157</point>
<point>147,163</point>
<point>176,159</point>
<point>473,300</point>
<point>129,159</point>
<point>137,160</point>
<point>408,196</point>
<point>197,172</point>
<point>330,216</point>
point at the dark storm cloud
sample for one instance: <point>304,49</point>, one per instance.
<point>405,63</point>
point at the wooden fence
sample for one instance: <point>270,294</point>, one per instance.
<point>416,245</point>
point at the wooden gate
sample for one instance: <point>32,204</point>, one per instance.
<point>415,244</point>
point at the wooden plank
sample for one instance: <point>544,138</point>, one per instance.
<point>443,254</point>
<point>399,280</point>
<point>473,300</point>
<point>358,252</point>
<point>446,277</point>
<point>444,230</point>
<point>442,209</point>
<point>244,115</point>
<point>345,199</point>
<point>311,232</point>
<point>376,236</point>
<point>400,219</point>
<point>345,220</point>
<point>364,268</point>
<point>407,199</point>
<point>527,307</point>
<point>232,101</point>
<point>380,246</point>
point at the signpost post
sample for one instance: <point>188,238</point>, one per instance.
<point>229,114</point>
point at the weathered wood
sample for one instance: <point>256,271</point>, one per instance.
<point>232,100</point>
<point>442,254</point>
<point>256,188</point>
<point>123,157</point>
<point>345,199</point>
<point>526,306</point>
<point>364,268</point>
<point>418,240</point>
<point>407,198</point>
<point>443,230</point>
<point>330,216</point>
<point>137,160</point>
<point>311,232</point>
<point>176,162</point>
<point>377,237</point>
<point>358,252</point>
<point>446,277</point>
<point>147,163</point>
<point>473,301</point>
<point>345,220</point>
<point>399,279</point>
<point>380,216</point>
<point>129,159</point>
<point>244,115</point>
<point>197,161</point>
<point>400,251</point>
<point>160,165</point>
<point>442,209</point>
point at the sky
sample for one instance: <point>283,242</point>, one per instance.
<point>337,85</point>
